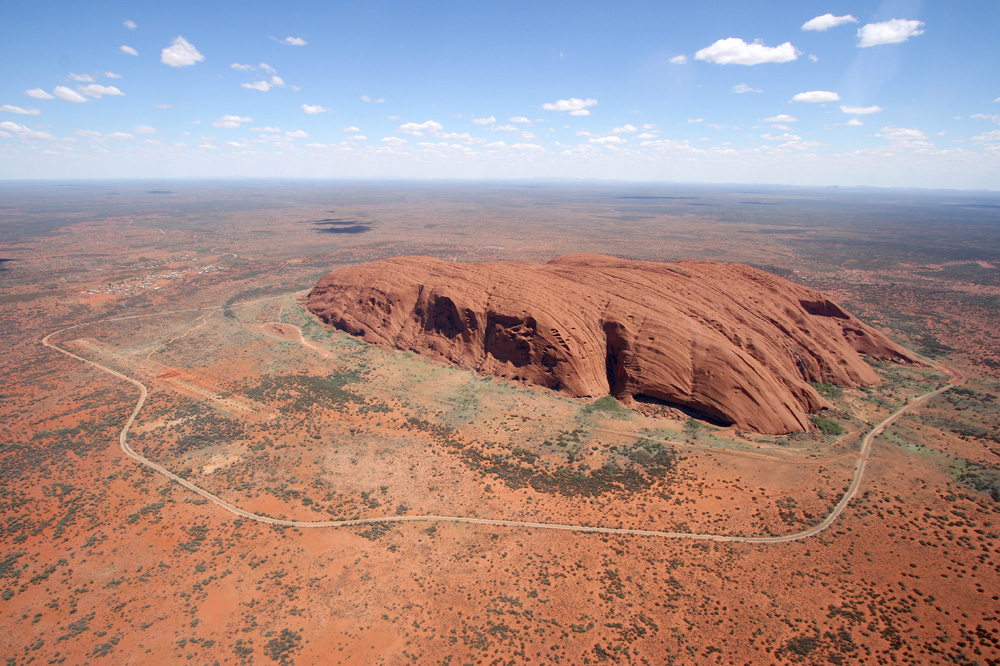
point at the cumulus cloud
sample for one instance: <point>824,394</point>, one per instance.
<point>522,119</point>
<point>744,88</point>
<point>607,140</point>
<point>696,120</point>
<point>861,110</point>
<point>297,134</point>
<point>130,25</point>
<point>734,51</point>
<point>889,32</point>
<point>315,108</point>
<point>68,95</point>
<point>854,122</point>
<point>625,129</point>
<point>575,106</point>
<point>262,86</point>
<point>484,121</point>
<point>9,128</point>
<point>781,118</point>
<point>351,128</point>
<point>816,96</point>
<point>37,93</point>
<point>128,50</point>
<point>992,136</point>
<point>992,117</point>
<point>85,78</point>
<point>144,129</point>
<point>679,59</point>
<point>98,91</point>
<point>904,137</point>
<point>827,21</point>
<point>10,108</point>
<point>293,41</point>
<point>180,53</point>
<point>112,75</point>
<point>231,122</point>
<point>367,98</point>
<point>418,129</point>
<point>393,141</point>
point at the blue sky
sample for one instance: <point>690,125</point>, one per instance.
<point>897,93</point>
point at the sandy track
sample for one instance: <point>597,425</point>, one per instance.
<point>838,509</point>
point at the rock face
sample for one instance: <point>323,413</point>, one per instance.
<point>725,341</point>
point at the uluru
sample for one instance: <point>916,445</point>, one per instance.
<point>728,342</point>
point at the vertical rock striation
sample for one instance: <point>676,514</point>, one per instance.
<point>730,342</point>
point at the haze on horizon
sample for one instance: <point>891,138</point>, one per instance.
<point>898,94</point>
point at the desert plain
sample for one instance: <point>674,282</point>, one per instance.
<point>341,482</point>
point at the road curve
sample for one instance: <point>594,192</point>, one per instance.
<point>866,446</point>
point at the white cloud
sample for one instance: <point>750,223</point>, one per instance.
<point>679,59</point>
<point>68,95</point>
<point>128,50</point>
<point>112,75</point>
<point>10,108</point>
<point>358,137</point>
<point>231,122</point>
<point>23,131</point>
<point>297,134</point>
<point>120,136</point>
<point>645,136</point>
<point>889,32</point>
<point>816,96</point>
<point>315,108</point>
<point>294,41</point>
<point>352,128</point>
<point>904,137</point>
<point>992,136</point>
<point>522,119</point>
<point>180,53</point>
<point>366,98</point>
<point>484,121</point>
<point>90,134</point>
<point>782,137</point>
<point>575,106</point>
<point>98,91</point>
<point>505,128</point>
<point>696,120</point>
<point>418,129</point>
<point>533,147</point>
<point>854,122</point>
<point>744,88</point>
<point>242,68</point>
<point>393,141</point>
<point>992,117</point>
<point>267,68</point>
<point>625,129</point>
<point>781,118</point>
<point>734,51</point>
<point>266,129</point>
<point>83,78</point>
<point>861,110</point>
<point>827,21</point>
<point>37,93</point>
<point>163,106</point>
<point>130,25</point>
<point>607,140</point>
<point>262,86</point>
<point>144,129</point>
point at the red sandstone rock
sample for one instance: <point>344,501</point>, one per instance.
<point>731,342</point>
